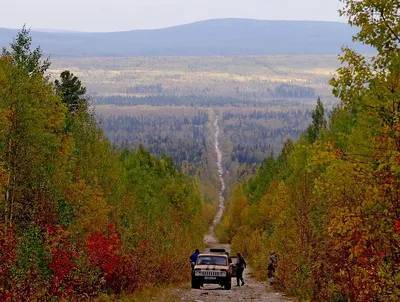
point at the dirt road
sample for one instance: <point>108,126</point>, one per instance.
<point>252,290</point>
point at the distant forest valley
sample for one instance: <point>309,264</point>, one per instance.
<point>169,105</point>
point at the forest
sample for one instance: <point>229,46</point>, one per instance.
<point>328,205</point>
<point>255,134</point>
<point>107,187</point>
<point>182,137</point>
<point>203,81</point>
<point>185,133</point>
<point>193,101</point>
<point>79,217</point>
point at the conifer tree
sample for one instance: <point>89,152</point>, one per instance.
<point>71,90</point>
<point>318,122</point>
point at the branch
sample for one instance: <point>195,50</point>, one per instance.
<point>388,26</point>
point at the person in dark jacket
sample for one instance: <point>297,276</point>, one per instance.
<point>271,267</point>
<point>193,257</point>
<point>240,266</point>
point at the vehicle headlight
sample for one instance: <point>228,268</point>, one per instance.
<point>223,273</point>
<point>197,273</point>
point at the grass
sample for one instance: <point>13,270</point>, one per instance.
<point>159,294</point>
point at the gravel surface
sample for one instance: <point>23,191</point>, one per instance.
<point>252,290</point>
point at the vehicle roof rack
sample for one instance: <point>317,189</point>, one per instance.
<point>222,251</point>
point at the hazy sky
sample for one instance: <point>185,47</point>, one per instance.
<point>113,15</point>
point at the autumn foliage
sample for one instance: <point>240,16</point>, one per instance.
<point>329,204</point>
<point>79,217</point>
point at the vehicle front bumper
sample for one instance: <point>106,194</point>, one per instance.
<point>211,280</point>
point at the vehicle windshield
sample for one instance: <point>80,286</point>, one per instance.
<point>211,260</point>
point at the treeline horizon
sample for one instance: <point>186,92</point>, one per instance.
<point>193,101</point>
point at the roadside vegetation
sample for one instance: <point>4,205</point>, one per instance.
<point>329,205</point>
<point>79,217</point>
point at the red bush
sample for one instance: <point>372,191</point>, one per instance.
<point>396,227</point>
<point>104,249</point>
<point>7,257</point>
<point>61,262</point>
<point>104,252</point>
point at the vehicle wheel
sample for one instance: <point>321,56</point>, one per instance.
<point>228,285</point>
<point>195,285</point>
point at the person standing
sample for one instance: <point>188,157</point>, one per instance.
<point>271,267</point>
<point>193,257</point>
<point>240,266</point>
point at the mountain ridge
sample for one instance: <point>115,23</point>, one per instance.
<point>228,36</point>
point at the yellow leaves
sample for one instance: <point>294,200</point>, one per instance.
<point>209,212</point>
<point>56,115</point>
<point>397,127</point>
<point>4,122</point>
<point>273,203</point>
<point>321,158</point>
<point>67,147</point>
<point>331,144</point>
<point>342,272</point>
<point>3,179</point>
<point>324,153</point>
<point>244,214</point>
<point>92,210</point>
<point>76,191</point>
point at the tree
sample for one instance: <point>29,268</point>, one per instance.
<point>31,118</point>
<point>71,90</point>
<point>378,21</point>
<point>363,225</point>
<point>340,213</point>
<point>318,122</point>
<point>22,56</point>
<point>75,213</point>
